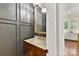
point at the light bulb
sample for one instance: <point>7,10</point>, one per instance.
<point>68,12</point>
<point>43,9</point>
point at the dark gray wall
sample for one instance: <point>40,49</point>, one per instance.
<point>14,27</point>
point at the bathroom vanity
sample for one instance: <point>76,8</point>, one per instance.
<point>35,47</point>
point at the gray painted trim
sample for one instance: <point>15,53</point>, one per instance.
<point>57,27</point>
<point>19,40</point>
<point>15,30</point>
<point>16,12</point>
<point>20,15</point>
<point>23,24</point>
<point>8,23</point>
<point>15,16</point>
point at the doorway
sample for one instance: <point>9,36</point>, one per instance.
<point>71,29</point>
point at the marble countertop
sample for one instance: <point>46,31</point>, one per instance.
<point>41,43</point>
<point>77,32</point>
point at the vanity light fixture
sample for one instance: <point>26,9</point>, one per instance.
<point>43,10</point>
<point>68,12</point>
<point>36,4</point>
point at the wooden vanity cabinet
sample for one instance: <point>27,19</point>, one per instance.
<point>31,50</point>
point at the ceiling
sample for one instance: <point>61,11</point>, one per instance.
<point>72,9</point>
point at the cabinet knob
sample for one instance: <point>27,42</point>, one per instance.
<point>46,51</point>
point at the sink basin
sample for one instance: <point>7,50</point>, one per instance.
<point>38,42</point>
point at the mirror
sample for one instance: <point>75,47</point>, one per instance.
<point>40,20</point>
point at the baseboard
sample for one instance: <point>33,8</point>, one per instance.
<point>71,40</point>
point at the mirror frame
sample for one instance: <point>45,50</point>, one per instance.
<point>38,33</point>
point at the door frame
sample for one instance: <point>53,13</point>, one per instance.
<point>55,29</point>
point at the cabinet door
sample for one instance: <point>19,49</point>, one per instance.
<point>31,50</point>
<point>39,52</point>
<point>28,49</point>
